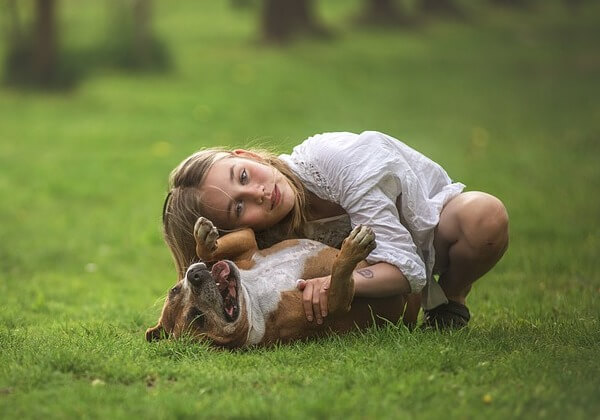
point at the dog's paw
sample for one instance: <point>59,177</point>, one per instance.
<point>206,235</point>
<point>359,243</point>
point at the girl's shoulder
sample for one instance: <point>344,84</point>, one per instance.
<point>346,147</point>
<point>325,142</point>
<point>332,164</point>
<point>335,153</point>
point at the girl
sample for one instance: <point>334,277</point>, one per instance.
<point>424,223</point>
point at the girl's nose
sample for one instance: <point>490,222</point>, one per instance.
<point>257,193</point>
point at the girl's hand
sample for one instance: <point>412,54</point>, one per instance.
<point>314,297</point>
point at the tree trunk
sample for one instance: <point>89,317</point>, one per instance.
<point>383,12</point>
<point>282,19</point>
<point>440,8</point>
<point>44,48</point>
<point>573,5</point>
<point>142,31</point>
<point>512,3</point>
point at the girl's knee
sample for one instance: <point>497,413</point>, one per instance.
<point>484,222</point>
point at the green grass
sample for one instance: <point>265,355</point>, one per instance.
<point>507,103</point>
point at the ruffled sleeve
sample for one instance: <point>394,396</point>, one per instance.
<point>394,242</point>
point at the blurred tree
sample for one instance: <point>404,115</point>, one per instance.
<point>383,12</point>
<point>32,53</point>
<point>513,3</point>
<point>132,42</point>
<point>573,5</point>
<point>33,56</point>
<point>44,50</point>
<point>15,37</point>
<point>282,19</point>
<point>440,8</point>
<point>142,32</point>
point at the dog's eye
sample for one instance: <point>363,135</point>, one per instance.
<point>174,290</point>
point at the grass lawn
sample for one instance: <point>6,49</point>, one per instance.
<point>507,103</point>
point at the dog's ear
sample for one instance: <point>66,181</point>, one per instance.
<point>155,333</point>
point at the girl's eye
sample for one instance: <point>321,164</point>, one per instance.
<point>243,176</point>
<point>239,206</point>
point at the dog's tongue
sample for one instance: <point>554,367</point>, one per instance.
<point>220,273</point>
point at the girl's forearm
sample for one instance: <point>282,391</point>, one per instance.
<point>380,280</point>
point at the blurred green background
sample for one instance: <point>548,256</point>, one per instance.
<point>101,99</point>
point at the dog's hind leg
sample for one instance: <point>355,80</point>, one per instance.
<point>355,248</point>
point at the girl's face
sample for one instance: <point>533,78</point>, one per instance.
<point>240,191</point>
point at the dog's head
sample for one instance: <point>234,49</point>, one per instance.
<point>206,304</point>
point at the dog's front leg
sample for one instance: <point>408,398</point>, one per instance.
<point>355,248</point>
<point>235,246</point>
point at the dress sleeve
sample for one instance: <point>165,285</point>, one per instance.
<point>394,242</point>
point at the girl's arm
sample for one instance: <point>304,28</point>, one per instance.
<point>378,280</point>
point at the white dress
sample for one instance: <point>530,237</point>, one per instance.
<point>382,183</point>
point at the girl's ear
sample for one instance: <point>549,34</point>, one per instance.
<point>247,154</point>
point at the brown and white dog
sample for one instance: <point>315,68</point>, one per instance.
<point>240,296</point>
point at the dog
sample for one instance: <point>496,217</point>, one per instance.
<point>239,296</point>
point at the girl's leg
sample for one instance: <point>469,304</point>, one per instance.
<point>470,239</point>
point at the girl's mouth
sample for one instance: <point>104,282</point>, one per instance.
<point>275,196</point>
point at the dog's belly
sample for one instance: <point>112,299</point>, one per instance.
<point>279,268</point>
<point>276,309</point>
<point>274,274</point>
<point>288,322</point>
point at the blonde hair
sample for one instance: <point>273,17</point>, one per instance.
<point>184,205</point>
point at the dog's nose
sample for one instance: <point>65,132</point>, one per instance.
<point>197,273</point>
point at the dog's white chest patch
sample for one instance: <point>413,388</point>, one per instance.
<point>269,277</point>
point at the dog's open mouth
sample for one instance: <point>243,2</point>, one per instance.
<point>227,284</point>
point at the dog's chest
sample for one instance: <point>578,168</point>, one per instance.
<point>273,274</point>
<point>280,270</point>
